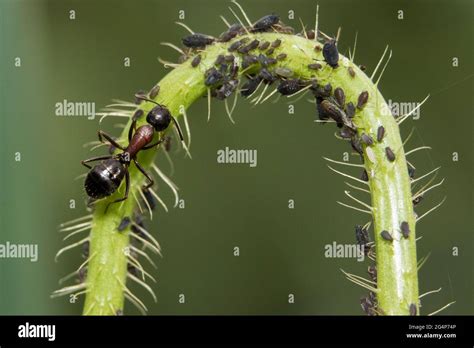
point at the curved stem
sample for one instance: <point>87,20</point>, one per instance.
<point>389,181</point>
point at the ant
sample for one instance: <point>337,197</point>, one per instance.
<point>105,178</point>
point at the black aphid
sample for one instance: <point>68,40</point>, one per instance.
<point>149,198</point>
<point>362,67</point>
<point>372,270</point>
<point>235,45</point>
<point>412,309</point>
<point>411,172</point>
<point>270,51</point>
<point>267,76</point>
<point>367,139</point>
<point>321,91</point>
<point>229,58</point>
<point>249,47</point>
<point>142,93</point>
<point>310,34</point>
<point>154,91</point>
<point>417,200</point>
<point>281,56</point>
<point>364,176</point>
<point>213,77</point>
<point>196,60</point>
<point>390,154</point>
<point>85,249</point>
<point>355,143</point>
<point>362,237</point>
<point>288,87</point>
<point>380,133</point>
<point>265,23</point>
<point>137,114</point>
<point>350,110</point>
<point>232,32</point>
<point>264,45</point>
<point>330,53</point>
<point>362,100</point>
<point>248,60</point>
<point>124,224</point>
<point>346,133</point>
<point>405,229</point>
<point>283,72</point>
<point>197,40</point>
<point>276,43</point>
<point>336,113</point>
<point>226,89</point>
<point>367,306</point>
<point>314,66</point>
<point>340,97</point>
<point>386,235</point>
<point>250,86</point>
<point>351,71</point>
<point>220,59</point>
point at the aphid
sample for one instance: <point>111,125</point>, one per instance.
<point>250,86</point>
<point>281,56</point>
<point>82,275</point>
<point>390,154</point>
<point>270,51</point>
<point>142,93</point>
<point>248,60</point>
<point>265,61</point>
<point>351,71</point>
<point>350,110</point>
<point>264,45</point>
<point>336,114</point>
<point>265,22</point>
<point>137,114</point>
<point>149,198</point>
<point>196,60</point>
<point>284,72</point>
<point>330,53</point>
<point>412,309</point>
<point>247,48</point>
<point>362,100</point>
<point>267,76</point>
<point>314,66</point>
<point>322,92</point>
<point>364,176</point>
<point>232,32</point>
<point>235,45</point>
<point>167,143</point>
<point>220,59</point>
<point>288,87</point>
<point>372,270</point>
<point>340,97</point>
<point>226,89</point>
<point>362,67</point>
<point>411,172</point>
<point>85,249</point>
<point>213,77</point>
<point>380,133</point>
<point>154,91</point>
<point>276,43</point>
<point>318,48</point>
<point>367,139</point>
<point>362,235</point>
<point>346,133</point>
<point>386,235</point>
<point>229,58</point>
<point>310,34</point>
<point>124,224</point>
<point>405,229</point>
<point>355,143</point>
<point>197,40</point>
<point>367,306</point>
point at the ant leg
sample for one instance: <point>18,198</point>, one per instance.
<point>178,128</point>
<point>140,168</point>
<point>127,189</point>
<point>109,139</point>
<point>132,128</point>
<point>152,145</point>
<point>98,158</point>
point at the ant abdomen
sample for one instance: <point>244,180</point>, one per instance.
<point>104,179</point>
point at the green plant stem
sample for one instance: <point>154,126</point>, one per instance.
<point>389,182</point>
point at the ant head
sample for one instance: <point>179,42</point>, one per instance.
<point>159,117</point>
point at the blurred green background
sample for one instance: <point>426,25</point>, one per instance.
<point>281,250</point>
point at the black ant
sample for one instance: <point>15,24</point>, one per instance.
<point>105,178</point>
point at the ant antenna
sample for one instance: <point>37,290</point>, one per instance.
<point>139,96</point>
